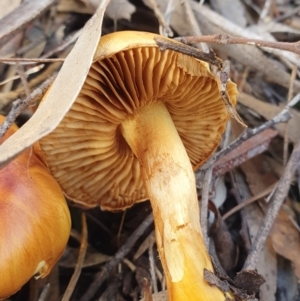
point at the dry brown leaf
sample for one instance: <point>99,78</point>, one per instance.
<point>234,10</point>
<point>63,92</point>
<point>247,150</point>
<point>259,178</point>
<point>268,111</point>
<point>75,6</point>
<point>286,239</point>
<point>15,21</point>
<point>120,9</point>
<point>8,6</point>
<point>267,263</point>
<point>92,258</point>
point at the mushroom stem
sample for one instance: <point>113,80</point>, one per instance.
<point>170,184</point>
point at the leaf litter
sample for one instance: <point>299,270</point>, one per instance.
<point>253,170</point>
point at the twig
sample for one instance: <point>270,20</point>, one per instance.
<point>226,40</point>
<point>283,116</point>
<point>249,201</point>
<point>152,265</point>
<point>246,150</point>
<point>24,81</point>
<point>204,204</point>
<point>27,61</point>
<point>44,292</point>
<point>194,24</point>
<point>109,266</point>
<point>265,10</point>
<point>210,57</point>
<point>162,22</point>
<point>280,193</point>
<point>67,42</point>
<point>290,94</point>
<point>219,68</point>
<point>19,105</point>
<point>82,251</point>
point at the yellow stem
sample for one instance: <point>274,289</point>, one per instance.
<point>170,183</point>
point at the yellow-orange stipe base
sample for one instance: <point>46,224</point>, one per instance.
<point>169,180</point>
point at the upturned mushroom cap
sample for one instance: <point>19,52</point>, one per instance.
<point>87,153</point>
<point>34,221</point>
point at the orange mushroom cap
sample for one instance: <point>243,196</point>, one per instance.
<point>87,153</point>
<point>34,220</point>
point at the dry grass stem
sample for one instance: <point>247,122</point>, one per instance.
<point>289,97</point>
<point>119,256</point>
<point>19,105</point>
<point>82,251</point>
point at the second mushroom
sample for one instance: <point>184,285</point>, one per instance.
<point>142,121</point>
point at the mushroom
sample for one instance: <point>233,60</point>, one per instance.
<point>35,220</point>
<point>142,121</point>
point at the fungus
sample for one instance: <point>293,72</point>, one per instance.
<point>35,220</point>
<point>142,121</point>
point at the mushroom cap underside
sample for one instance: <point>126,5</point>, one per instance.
<point>87,154</point>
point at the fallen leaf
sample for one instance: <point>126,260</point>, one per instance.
<point>8,6</point>
<point>62,94</point>
<point>247,150</point>
<point>286,239</point>
<point>225,248</point>
<point>232,10</point>
<point>70,257</point>
<point>67,6</point>
<point>268,111</point>
<point>258,180</point>
<point>120,9</point>
<point>25,13</point>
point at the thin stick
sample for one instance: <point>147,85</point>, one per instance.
<point>249,201</point>
<point>152,265</point>
<point>265,10</point>
<point>19,105</point>
<point>290,94</point>
<point>283,116</point>
<point>162,22</point>
<point>204,205</point>
<point>27,61</point>
<point>280,193</point>
<point>23,78</point>
<point>123,251</point>
<point>226,40</point>
<point>82,251</point>
<point>44,292</point>
<point>194,24</point>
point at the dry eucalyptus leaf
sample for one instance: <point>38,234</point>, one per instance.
<point>120,9</point>
<point>268,111</point>
<point>8,6</point>
<point>74,6</point>
<point>267,264</point>
<point>70,257</point>
<point>19,18</point>
<point>234,10</point>
<point>62,94</point>
<point>144,246</point>
<point>286,239</point>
